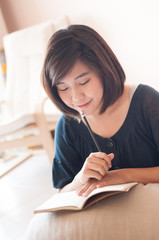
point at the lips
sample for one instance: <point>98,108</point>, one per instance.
<point>84,105</point>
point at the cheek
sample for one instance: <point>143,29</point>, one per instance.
<point>97,90</point>
<point>100,88</point>
<point>64,97</point>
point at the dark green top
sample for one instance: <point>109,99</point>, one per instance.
<point>135,145</point>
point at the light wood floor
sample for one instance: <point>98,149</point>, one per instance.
<point>22,190</point>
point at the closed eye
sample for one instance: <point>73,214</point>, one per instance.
<point>84,82</point>
<point>63,90</point>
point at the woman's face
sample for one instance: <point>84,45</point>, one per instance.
<point>81,90</point>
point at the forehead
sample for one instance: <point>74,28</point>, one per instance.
<point>79,70</point>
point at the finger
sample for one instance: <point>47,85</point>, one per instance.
<point>102,184</point>
<point>93,174</point>
<point>103,156</point>
<point>89,190</point>
<point>105,181</point>
<point>107,158</point>
<point>111,156</point>
<point>99,166</point>
<point>86,189</point>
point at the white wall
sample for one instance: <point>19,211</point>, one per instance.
<point>131,28</point>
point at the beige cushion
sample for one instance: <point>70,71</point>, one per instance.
<point>127,216</point>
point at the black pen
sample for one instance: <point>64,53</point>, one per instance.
<point>90,130</point>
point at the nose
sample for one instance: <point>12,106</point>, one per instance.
<point>77,94</point>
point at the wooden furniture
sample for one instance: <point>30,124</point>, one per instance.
<point>27,113</point>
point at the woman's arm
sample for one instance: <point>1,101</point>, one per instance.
<point>140,175</point>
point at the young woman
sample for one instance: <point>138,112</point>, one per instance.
<point>81,74</point>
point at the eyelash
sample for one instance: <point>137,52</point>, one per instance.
<point>63,90</point>
<point>82,84</point>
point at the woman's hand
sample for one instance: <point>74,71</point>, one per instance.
<point>95,167</point>
<point>111,178</point>
<point>140,175</point>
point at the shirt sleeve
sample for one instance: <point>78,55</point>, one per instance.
<point>151,113</point>
<point>67,160</point>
